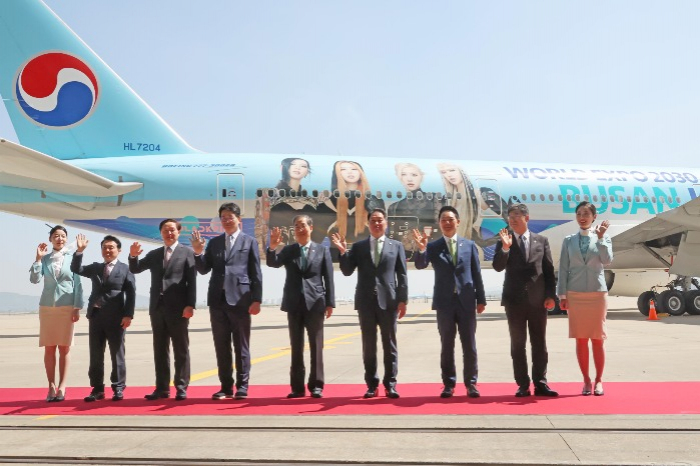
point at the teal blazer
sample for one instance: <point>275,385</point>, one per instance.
<point>579,273</point>
<point>66,290</point>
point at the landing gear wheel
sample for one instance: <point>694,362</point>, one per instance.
<point>692,302</point>
<point>673,302</point>
<point>643,302</point>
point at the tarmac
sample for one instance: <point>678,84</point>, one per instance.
<point>637,351</point>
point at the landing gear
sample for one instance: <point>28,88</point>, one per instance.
<point>673,300</point>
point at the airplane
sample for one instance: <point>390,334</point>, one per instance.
<point>94,155</point>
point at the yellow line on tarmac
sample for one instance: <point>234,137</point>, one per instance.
<point>48,416</point>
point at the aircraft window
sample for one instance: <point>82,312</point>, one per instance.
<point>438,195</point>
<point>524,196</point>
<point>662,200</point>
<point>595,198</point>
<point>551,198</point>
<point>541,197</point>
<point>532,197</point>
<point>292,193</point>
<point>578,198</point>
<point>603,198</point>
<point>368,194</point>
<point>399,194</point>
<point>678,200</point>
<point>561,198</point>
<point>670,200</point>
<point>419,195</point>
<point>585,197</point>
<point>281,192</point>
<point>448,196</point>
<point>458,196</point>
<point>636,198</point>
<point>629,198</point>
<point>653,199</point>
<point>314,193</point>
<point>388,195</point>
<point>270,192</point>
<point>259,193</point>
<point>430,196</point>
<point>409,195</point>
<point>568,197</point>
<point>336,194</point>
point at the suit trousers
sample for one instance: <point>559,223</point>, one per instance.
<point>231,324</point>
<point>105,328</point>
<point>455,318</point>
<point>522,318</point>
<point>169,325</point>
<point>370,317</point>
<point>298,320</point>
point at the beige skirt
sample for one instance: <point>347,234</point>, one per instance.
<point>587,313</point>
<point>56,326</point>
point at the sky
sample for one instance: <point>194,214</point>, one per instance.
<point>550,81</point>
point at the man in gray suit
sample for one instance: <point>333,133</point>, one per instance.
<point>529,289</point>
<point>380,297</point>
<point>235,293</point>
<point>307,298</point>
<point>173,297</point>
<point>110,310</point>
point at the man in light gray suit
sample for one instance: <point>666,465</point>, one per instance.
<point>380,297</point>
<point>235,293</point>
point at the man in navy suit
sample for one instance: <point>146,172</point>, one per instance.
<point>529,289</point>
<point>458,295</point>
<point>380,297</point>
<point>307,298</point>
<point>172,302</point>
<point>235,293</point>
<point>110,310</point>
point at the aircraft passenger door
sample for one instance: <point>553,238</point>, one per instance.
<point>231,188</point>
<point>491,197</point>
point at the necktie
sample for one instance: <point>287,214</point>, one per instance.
<point>453,250</point>
<point>168,253</point>
<point>108,270</point>
<point>377,252</point>
<point>522,246</point>
<point>585,241</point>
<point>303,257</point>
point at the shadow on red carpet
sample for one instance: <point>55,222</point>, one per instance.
<point>416,399</point>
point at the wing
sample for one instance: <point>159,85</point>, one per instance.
<point>22,167</point>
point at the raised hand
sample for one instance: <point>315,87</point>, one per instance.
<point>506,238</point>
<point>421,239</point>
<point>41,251</point>
<point>275,238</point>
<point>82,242</point>
<point>197,242</point>
<point>339,242</point>
<point>135,250</point>
<point>602,228</point>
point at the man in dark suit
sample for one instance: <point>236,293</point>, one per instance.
<point>173,297</point>
<point>110,310</point>
<point>235,293</point>
<point>458,295</point>
<point>529,289</point>
<point>307,298</point>
<point>380,297</point>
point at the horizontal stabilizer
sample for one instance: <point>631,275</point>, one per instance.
<point>21,167</point>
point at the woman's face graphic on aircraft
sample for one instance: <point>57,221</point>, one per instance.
<point>411,178</point>
<point>350,173</point>
<point>453,175</point>
<point>298,169</point>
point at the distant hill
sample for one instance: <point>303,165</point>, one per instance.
<point>14,302</point>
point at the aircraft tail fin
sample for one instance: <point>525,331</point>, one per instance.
<point>63,100</point>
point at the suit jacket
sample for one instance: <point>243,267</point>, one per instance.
<point>314,284</point>
<point>465,277</point>
<point>579,273</point>
<point>177,282</point>
<point>387,281</point>
<point>532,279</point>
<point>117,294</point>
<point>64,290</point>
<point>237,271</point>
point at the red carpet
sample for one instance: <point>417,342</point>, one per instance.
<point>496,398</point>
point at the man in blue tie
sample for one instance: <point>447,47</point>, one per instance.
<point>458,295</point>
<point>529,289</point>
<point>235,294</point>
<point>307,298</point>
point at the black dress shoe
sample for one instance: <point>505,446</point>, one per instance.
<point>296,395</point>
<point>370,393</point>
<point>221,394</point>
<point>181,395</point>
<point>392,393</point>
<point>543,390</point>
<point>472,391</point>
<point>157,395</point>
<point>317,393</point>
<point>523,391</point>
<point>447,392</point>
<point>118,395</point>
<point>241,394</point>
<point>94,396</point>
